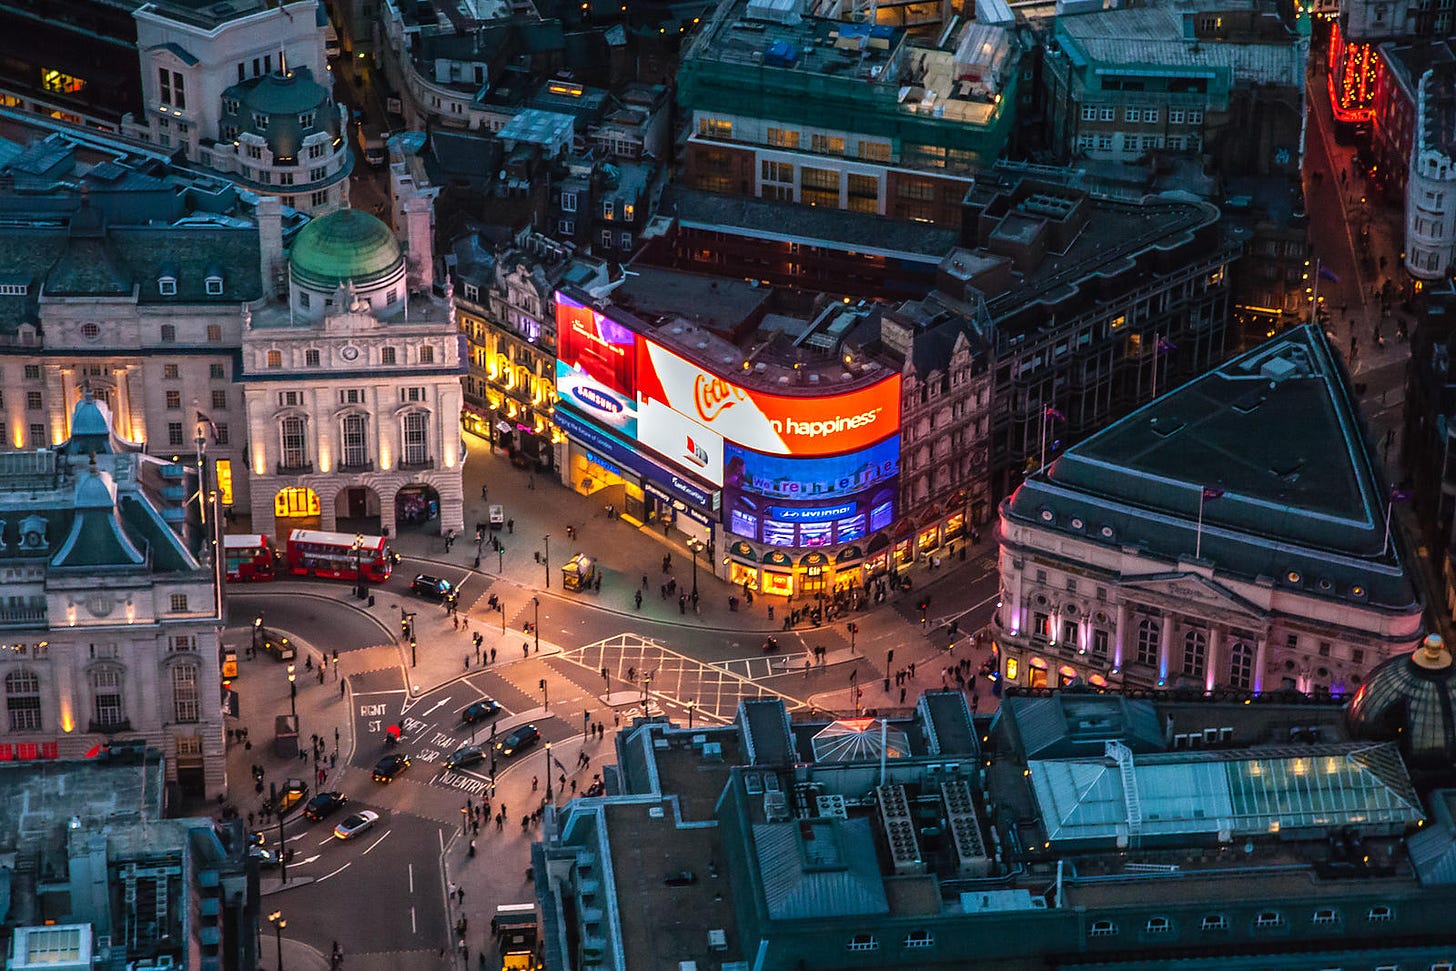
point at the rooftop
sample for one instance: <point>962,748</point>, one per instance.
<point>1437,107</point>
<point>210,14</point>
<point>1274,432</point>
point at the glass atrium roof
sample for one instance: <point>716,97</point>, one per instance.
<point>1238,792</point>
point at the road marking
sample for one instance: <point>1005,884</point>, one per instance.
<point>413,928</point>
<point>438,704</point>
<point>335,873</point>
<point>296,836</point>
<point>308,859</point>
<point>376,843</point>
<point>412,877</point>
<point>327,841</point>
<point>391,691</point>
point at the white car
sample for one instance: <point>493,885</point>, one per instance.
<point>356,824</point>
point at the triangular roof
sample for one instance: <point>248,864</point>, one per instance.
<point>1276,430</point>
<point>97,538</point>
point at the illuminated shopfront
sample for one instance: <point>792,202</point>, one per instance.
<point>1352,78</point>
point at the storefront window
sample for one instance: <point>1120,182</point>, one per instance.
<point>780,584</point>
<point>1038,673</point>
<point>929,539</point>
<point>740,573</point>
<point>877,564</point>
<point>904,552</point>
<point>813,579</point>
<point>1013,668</point>
<point>955,526</point>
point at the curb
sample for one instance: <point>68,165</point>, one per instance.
<point>303,589</point>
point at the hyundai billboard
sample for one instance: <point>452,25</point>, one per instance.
<point>596,366</point>
<point>807,502</point>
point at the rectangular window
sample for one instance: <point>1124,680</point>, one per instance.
<point>626,241</point>
<point>33,400</point>
<point>1326,917</point>
<point>1177,116</point>
<point>219,399</point>
<point>37,435</point>
<point>828,144</point>
<point>174,433</point>
<point>864,942</point>
<point>1150,115</point>
<point>715,128</point>
<point>566,227</point>
<point>427,354</point>
<point>386,355</point>
<point>356,451</point>
<point>174,400</point>
<point>32,372</point>
<point>777,171</point>
<point>169,332</point>
<point>917,939</point>
<point>179,603</point>
<point>1159,925</point>
<point>416,441</point>
<point>179,90</point>
<point>1089,112</point>
<point>185,702</point>
<point>1269,919</point>
<point>783,138</point>
<point>874,151</point>
<point>106,685</point>
<point>1195,117</point>
<point>1069,634</point>
<point>1215,922</point>
<point>311,357</point>
<point>1107,113</point>
<point>1133,115</point>
<point>607,238</point>
<point>1380,915</point>
<point>220,437</point>
<point>568,202</point>
<point>164,85</point>
<point>1099,644</point>
<point>1102,928</point>
<point>181,642</point>
<point>819,187</point>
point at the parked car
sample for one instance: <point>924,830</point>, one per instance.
<point>479,711</point>
<point>356,823</point>
<point>388,768</point>
<point>520,739</point>
<point>497,516</point>
<point>294,792</point>
<point>432,588</point>
<point>323,804</point>
<point>464,756</point>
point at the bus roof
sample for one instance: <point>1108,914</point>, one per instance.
<point>251,541</point>
<point>335,539</point>
<point>509,913</point>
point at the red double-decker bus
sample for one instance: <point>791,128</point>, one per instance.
<point>338,556</point>
<point>248,558</point>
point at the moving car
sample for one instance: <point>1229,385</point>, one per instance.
<point>389,767</point>
<point>265,858</point>
<point>464,756</point>
<point>294,792</point>
<point>356,823</point>
<point>479,711</point>
<point>323,804</point>
<point>523,737</point>
<point>432,588</point>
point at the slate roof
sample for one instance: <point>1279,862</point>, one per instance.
<point>1277,430</point>
<point>1068,724</point>
<point>823,868</point>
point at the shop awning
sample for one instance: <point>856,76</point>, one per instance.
<point>848,555</point>
<point>878,542</point>
<point>742,550</point>
<point>814,559</point>
<point>776,558</point>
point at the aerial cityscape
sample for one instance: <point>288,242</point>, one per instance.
<point>727,485</point>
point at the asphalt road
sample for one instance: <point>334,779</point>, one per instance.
<point>320,620</point>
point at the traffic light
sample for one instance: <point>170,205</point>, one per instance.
<point>542,685</point>
<point>890,656</point>
<point>604,673</point>
<point>854,628</point>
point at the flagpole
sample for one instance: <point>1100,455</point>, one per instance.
<point>1043,437</point>
<point>1156,341</point>
<point>1198,541</point>
<point>1314,298</point>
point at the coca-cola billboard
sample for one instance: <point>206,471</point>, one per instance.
<point>825,423</point>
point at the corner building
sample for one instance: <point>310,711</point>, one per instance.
<point>1230,535</point>
<point>759,428</point>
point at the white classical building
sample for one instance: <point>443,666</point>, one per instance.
<point>245,88</point>
<point>353,386</point>
<point>109,622</point>
<point>1230,535</point>
<point>1430,211</point>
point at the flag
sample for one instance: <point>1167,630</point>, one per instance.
<point>209,424</point>
<point>1325,273</point>
<point>1401,495</point>
<point>1054,414</point>
<point>1211,492</point>
<point>1165,345</point>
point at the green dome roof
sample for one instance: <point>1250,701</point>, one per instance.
<point>344,245</point>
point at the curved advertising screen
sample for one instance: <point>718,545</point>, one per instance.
<point>596,366</point>
<point>786,501</point>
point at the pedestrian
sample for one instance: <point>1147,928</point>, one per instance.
<point>902,696</point>
<point>770,611</point>
<point>484,493</point>
<point>644,581</point>
<point>682,603</point>
<point>454,889</point>
<point>500,821</point>
<point>573,787</point>
<point>535,783</point>
<point>455,620</point>
<point>467,662</point>
<point>510,525</point>
<point>525,823</point>
<point>321,674</point>
<point>525,649</point>
<point>492,655</point>
<point>637,599</point>
<point>465,623</point>
<point>333,759</point>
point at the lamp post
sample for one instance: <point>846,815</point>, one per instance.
<point>536,624</point>
<point>696,545</point>
<point>502,609</point>
<point>257,633</point>
<point>548,561</point>
<point>646,684</point>
<point>500,555</point>
<point>413,658</point>
<point>692,704</point>
<point>548,772</point>
<point>276,919</point>
<point>464,820</point>
<point>360,583</point>
<point>292,690</point>
<point>545,696</point>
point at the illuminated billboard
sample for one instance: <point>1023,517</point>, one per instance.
<point>775,424</point>
<point>596,365</point>
<point>680,439</point>
<point>807,502</point>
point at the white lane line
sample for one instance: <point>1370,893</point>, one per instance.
<point>307,859</point>
<point>413,928</point>
<point>327,841</point>
<point>442,701</point>
<point>296,836</point>
<point>391,691</point>
<point>376,843</point>
<point>336,872</point>
<point>412,877</point>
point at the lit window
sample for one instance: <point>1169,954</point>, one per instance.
<point>179,603</point>
<point>275,358</point>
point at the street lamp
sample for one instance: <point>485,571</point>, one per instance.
<point>464,820</point>
<point>292,690</point>
<point>536,624</point>
<point>696,545</point>
<point>548,561</point>
<point>692,704</point>
<point>358,549</point>
<point>548,772</point>
<point>276,919</point>
<point>257,633</point>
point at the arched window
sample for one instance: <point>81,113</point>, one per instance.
<point>1241,665</point>
<point>185,705</point>
<point>416,438</point>
<point>293,443</point>
<point>107,698</point>
<point>22,700</point>
<point>1148,632</point>
<point>1195,651</point>
<point>356,441</point>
